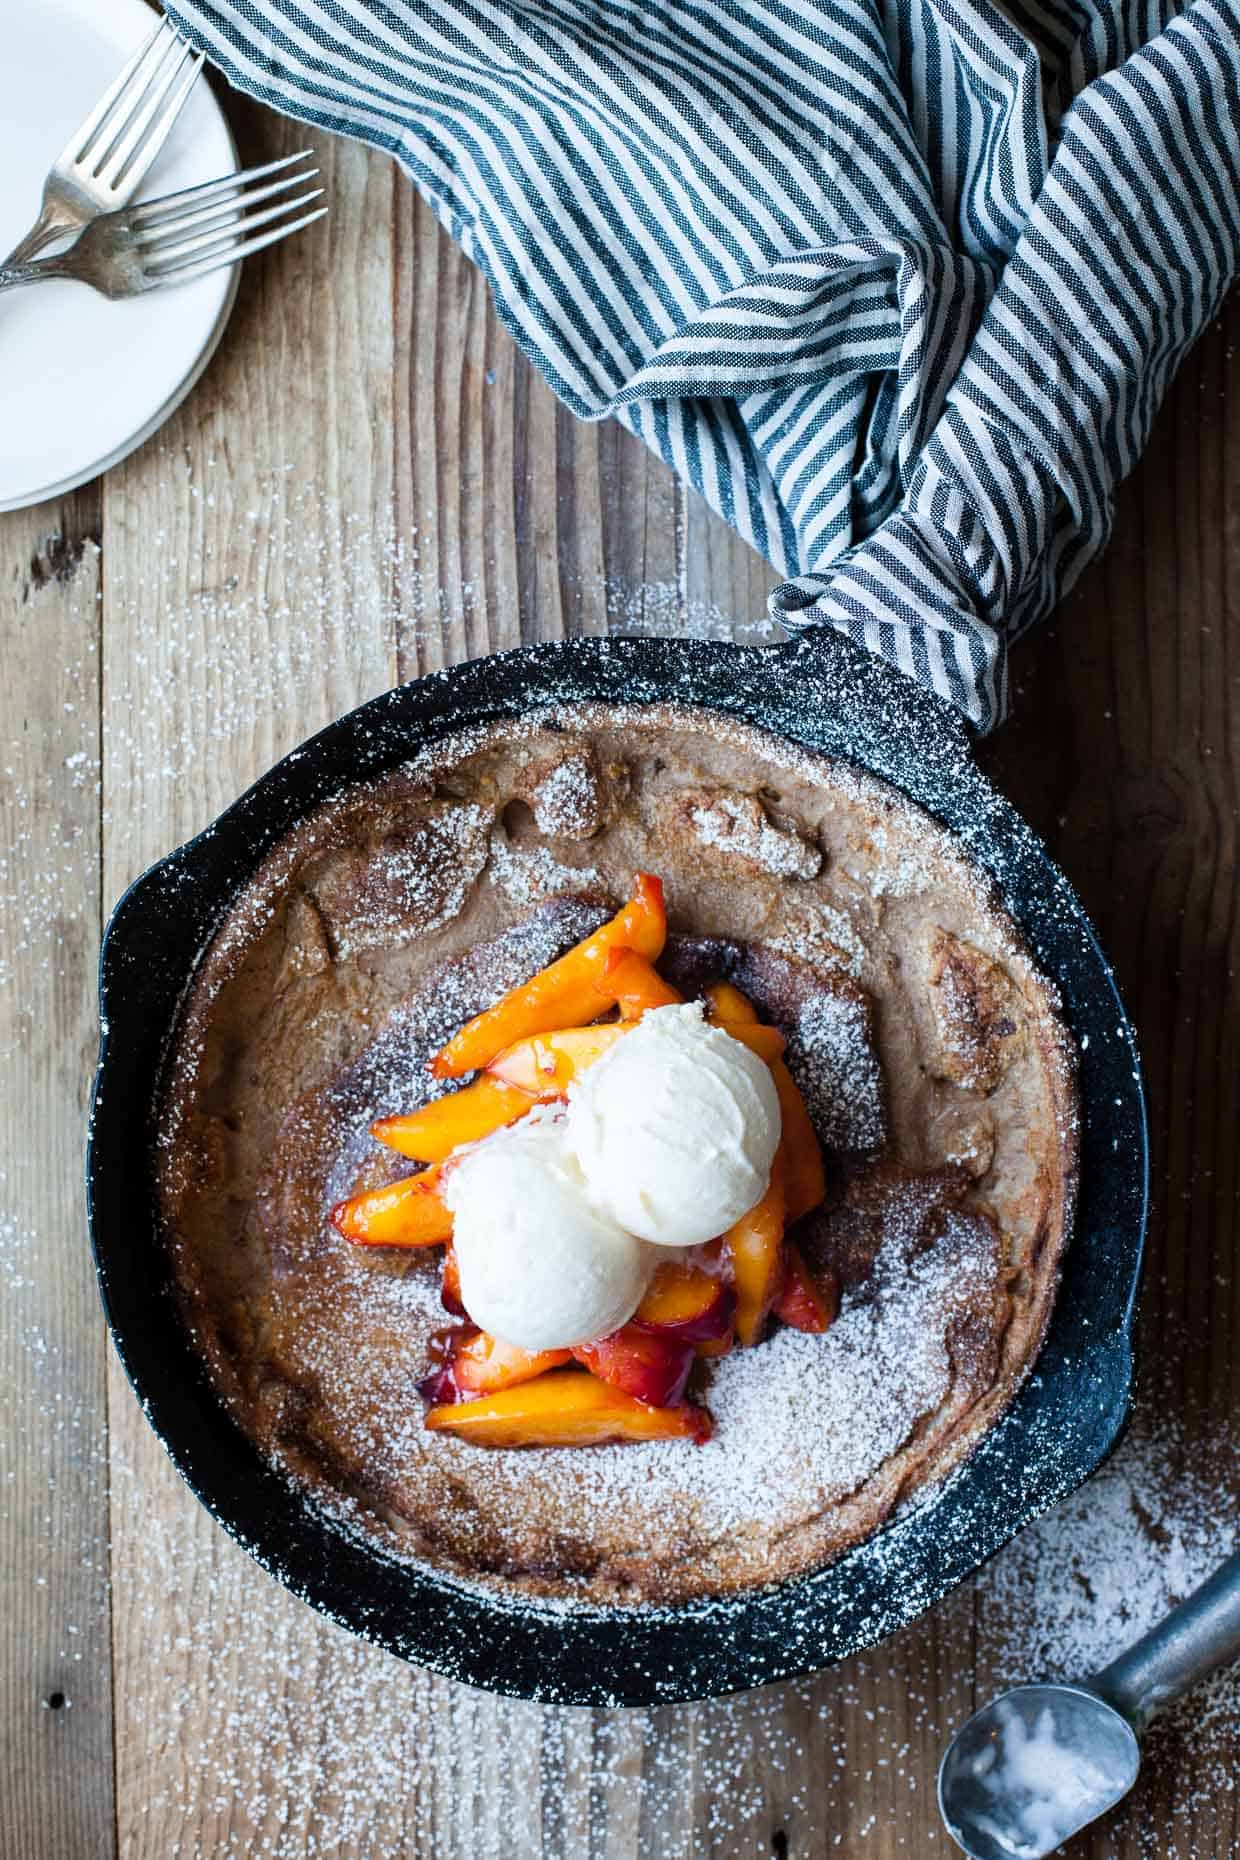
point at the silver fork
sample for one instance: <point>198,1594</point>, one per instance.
<point>181,236</point>
<point>103,163</point>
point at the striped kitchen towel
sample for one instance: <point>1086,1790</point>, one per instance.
<point>898,285</point>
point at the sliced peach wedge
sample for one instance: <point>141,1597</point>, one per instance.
<point>563,995</point>
<point>686,1302</point>
<point>805,1181</point>
<point>653,1369</point>
<point>484,1364</point>
<point>755,1246</point>
<point>406,1213</point>
<point>634,985</point>
<point>767,1042</point>
<point>450,1284</point>
<point>433,1132</point>
<point>725,1002</point>
<point>567,1408</point>
<point>472,1362</point>
<point>545,1065</point>
<point>806,1302</point>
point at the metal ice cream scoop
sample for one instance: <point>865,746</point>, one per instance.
<point>1040,1762</point>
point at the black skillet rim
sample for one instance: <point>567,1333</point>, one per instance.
<point>819,691</point>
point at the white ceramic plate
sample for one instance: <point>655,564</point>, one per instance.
<point>83,381</point>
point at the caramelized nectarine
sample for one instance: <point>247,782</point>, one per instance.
<point>687,1302</point>
<point>545,1065</point>
<point>406,1213</point>
<point>805,1182</point>
<point>767,1042</point>
<point>567,1408</point>
<point>563,995</point>
<point>756,1248</point>
<point>450,1285</point>
<point>806,1301</point>
<point>634,985</point>
<point>726,1002</point>
<point>464,1116</point>
<point>481,1364</point>
<point>651,1368</point>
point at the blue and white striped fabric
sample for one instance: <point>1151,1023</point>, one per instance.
<point>898,285</point>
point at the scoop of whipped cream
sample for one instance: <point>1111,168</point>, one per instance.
<point>541,1265</point>
<point>675,1129</point>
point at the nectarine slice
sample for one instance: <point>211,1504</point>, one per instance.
<point>635,985</point>
<point>805,1182</point>
<point>465,1116</point>
<point>767,1042</point>
<point>756,1247</point>
<point>724,1001</point>
<point>450,1284</point>
<point>407,1213</point>
<point>563,995</point>
<point>567,1408</point>
<point>481,1363</point>
<point>653,1369</point>
<point>545,1065</point>
<point>806,1302</point>
<point>686,1302</point>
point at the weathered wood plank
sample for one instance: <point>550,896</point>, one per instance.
<point>55,1680</point>
<point>1137,686</point>
<point>250,589</point>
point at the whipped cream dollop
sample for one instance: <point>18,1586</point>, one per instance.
<point>675,1129</point>
<point>542,1266</point>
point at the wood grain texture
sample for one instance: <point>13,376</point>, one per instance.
<point>248,599</point>
<point>1137,685</point>
<point>55,1679</point>
<point>370,483</point>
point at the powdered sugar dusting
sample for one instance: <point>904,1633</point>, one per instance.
<point>827,1411</point>
<point>832,1057</point>
<point>526,874</point>
<point>738,824</point>
<point>566,800</point>
<point>419,882</point>
<point>823,936</point>
<point>900,869</point>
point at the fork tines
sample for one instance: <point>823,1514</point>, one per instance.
<point>126,129</point>
<point>186,234</point>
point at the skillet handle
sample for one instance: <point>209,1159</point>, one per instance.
<point>876,715</point>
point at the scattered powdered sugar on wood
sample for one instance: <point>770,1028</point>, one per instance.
<point>1081,1584</point>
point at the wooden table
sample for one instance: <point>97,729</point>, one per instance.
<point>370,483</point>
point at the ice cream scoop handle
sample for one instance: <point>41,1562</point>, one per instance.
<point>1202,1634</point>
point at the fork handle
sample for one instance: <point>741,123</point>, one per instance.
<point>12,275</point>
<point>49,227</point>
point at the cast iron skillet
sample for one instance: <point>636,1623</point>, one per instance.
<point>818,690</point>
